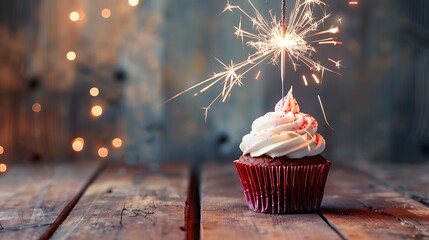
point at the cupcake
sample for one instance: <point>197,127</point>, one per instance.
<point>281,169</point>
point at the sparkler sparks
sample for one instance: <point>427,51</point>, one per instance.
<point>316,79</point>
<point>337,63</point>
<point>305,80</point>
<point>271,41</point>
<point>323,111</point>
<point>257,75</point>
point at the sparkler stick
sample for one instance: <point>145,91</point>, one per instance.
<point>283,52</point>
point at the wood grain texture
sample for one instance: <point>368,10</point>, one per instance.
<point>154,199</point>
<point>33,196</point>
<point>225,215</point>
<point>411,180</point>
<point>361,208</point>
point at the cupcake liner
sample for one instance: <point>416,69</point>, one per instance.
<point>283,189</point>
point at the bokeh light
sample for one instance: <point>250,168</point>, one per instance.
<point>103,152</point>
<point>94,92</point>
<point>105,13</point>
<point>78,144</point>
<point>3,168</point>
<point>36,107</point>
<point>117,142</point>
<point>133,3</point>
<point>71,55</point>
<point>74,16</point>
<point>96,110</point>
<point>1,150</point>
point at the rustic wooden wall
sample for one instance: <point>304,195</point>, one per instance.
<point>142,55</point>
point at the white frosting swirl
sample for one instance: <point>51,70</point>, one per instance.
<point>284,132</point>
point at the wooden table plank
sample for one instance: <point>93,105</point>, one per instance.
<point>225,215</point>
<point>412,180</point>
<point>361,208</point>
<point>154,199</point>
<point>33,196</point>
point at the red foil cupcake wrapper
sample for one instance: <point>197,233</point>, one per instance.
<point>283,189</point>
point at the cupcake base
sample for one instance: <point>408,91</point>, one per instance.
<point>283,188</point>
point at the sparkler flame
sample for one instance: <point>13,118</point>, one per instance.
<point>266,40</point>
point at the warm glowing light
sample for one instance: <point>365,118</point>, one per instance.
<point>71,55</point>
<point>305,80</point>
<point>315,78</point>
<point>117,142</point>
<point>257,75</point>
<point>331,42</point>
<point>78,144</point>
<point>1,150</point>
<point>96,110</point>
<point>337,63</point>
<point>103,152</point>
<point>74,16</point>
<point>268,43</point>
<point>353,2</point>
<point>133,3</point>
<point>94,92</point>
<point>333,30</point>
<point>36,107</point>
<point>3,168</point>
<point>105,13</point>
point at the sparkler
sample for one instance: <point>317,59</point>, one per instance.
<point>271,40</point>
<point>283,52</point>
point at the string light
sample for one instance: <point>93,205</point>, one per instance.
<point>78,144</point>
<point>103,152</point>
<point>71,56</point>
<point>105,13</point>
<point>1,150</point>
<point>96,110</point>
<point>94,92</point>
<point>74,16</point>
<point>133,3</point>
<point>117,142</point>
<point>36,107</point>
<point>3,168</point>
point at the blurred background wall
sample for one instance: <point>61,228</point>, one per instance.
<point>87,79</point>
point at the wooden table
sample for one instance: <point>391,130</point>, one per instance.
<point>93,200</point>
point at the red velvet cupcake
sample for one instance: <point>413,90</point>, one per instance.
<point>281,169</point>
